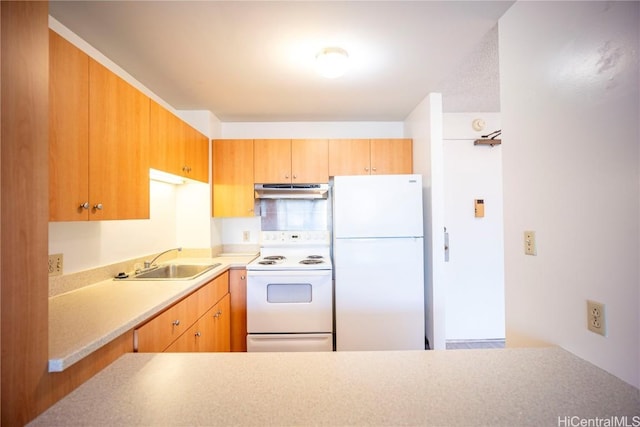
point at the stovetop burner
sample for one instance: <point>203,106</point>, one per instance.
<point>275,258</point>
<point>311,261</point>
<point>267,262</point>
<point>315,257</point>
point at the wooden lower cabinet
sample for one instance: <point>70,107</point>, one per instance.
<point>179,327</point>
<point>238,292</point>
<point>209,333</point>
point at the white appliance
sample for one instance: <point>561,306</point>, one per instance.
<point>290,293</point>
<point>378,262</point>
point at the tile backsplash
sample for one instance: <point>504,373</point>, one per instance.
<point>295,214</point>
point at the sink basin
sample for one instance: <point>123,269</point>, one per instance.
<point>174,272</point>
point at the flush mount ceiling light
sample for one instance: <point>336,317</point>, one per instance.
<point>332,62</point>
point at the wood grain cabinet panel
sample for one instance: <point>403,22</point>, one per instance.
<point>272,161</point>
<point>232,189</point>
<point>177,148</point>
<point>391,156</point>
<point>298,161</point>
<point>349,157</point>
<point>309,161</point>
<point>118,147</point>
<point>181,327</point>
<point>99,134</point>
<point>68,130</point>
<point>370,156</point>
<point>238,293</point>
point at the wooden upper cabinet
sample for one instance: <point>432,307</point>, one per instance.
<point>298,161</point>
<point>391,156</point>
<point>98,140</point>
<point>118,147</point>
<point>68,131</point>
<point>196,155</point>
<point>177,148</point>
<point>232,189</point>
<point>272,163</point>
<point>349,157</point>
<point>370,156</point>
<point>309,161</point>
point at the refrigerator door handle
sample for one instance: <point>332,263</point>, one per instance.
<point>446,245</point>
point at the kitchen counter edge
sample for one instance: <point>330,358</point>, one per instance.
<point>62,355</point>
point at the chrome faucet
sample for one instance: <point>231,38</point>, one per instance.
<point>148,264</point>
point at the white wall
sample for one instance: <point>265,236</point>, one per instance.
<point>239,130</point>
<point>424,126</point>
<point>569,98</point>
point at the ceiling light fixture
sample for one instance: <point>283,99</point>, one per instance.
<point>332,62</point>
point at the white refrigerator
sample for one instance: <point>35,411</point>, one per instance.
<point>378,262</point>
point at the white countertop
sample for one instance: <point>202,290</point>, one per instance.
<point>82,321</point>
<point>500,387</point>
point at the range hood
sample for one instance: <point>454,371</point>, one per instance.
<point>291,191</point>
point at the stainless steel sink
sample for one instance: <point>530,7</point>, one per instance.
<point>174,272</point>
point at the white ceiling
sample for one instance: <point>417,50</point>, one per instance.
<point>253,61</point>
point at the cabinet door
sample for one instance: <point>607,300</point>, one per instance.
<point>238,302</point>
<point>222,325</point>
<point>118,147</point>
<point>68,131</point>
<point>309,161</point>
<point>232,189</point>
<point>273,161</point>
<point>349,157</point>
<point>391,156</point>
<point>164,140</point>
<point>196,154</point>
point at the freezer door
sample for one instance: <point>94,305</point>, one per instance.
<point>377,206</point>
<point>379,294</point>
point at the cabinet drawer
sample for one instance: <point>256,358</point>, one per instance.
<point>212,292</point>
<point>162,330</point>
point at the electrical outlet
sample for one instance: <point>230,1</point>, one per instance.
<point>530,243</point>
<point>55,265</point>
<point>246,236</point>
<point>596,318</point>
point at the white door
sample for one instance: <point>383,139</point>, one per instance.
<point>474,273</point>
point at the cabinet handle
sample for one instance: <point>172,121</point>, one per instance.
<point>366,169</point>
<point>98,207</point>
<point>85,205</point>
<point>186,169</point>
<point>373,169</point>
<point>176,322</point>
<point>218,314</point>
<point>242,277</point>
<point>197,334</point>
<point>295,176</point>
<point>286,176</point>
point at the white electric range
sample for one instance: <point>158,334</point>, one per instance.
<point>290,293</point>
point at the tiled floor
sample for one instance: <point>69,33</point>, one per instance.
<point>468,344</point>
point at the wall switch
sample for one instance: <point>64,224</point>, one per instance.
<point>55,265</point>
<point>246,236</point>
<point>530,243</point>
<point>595,318</point>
